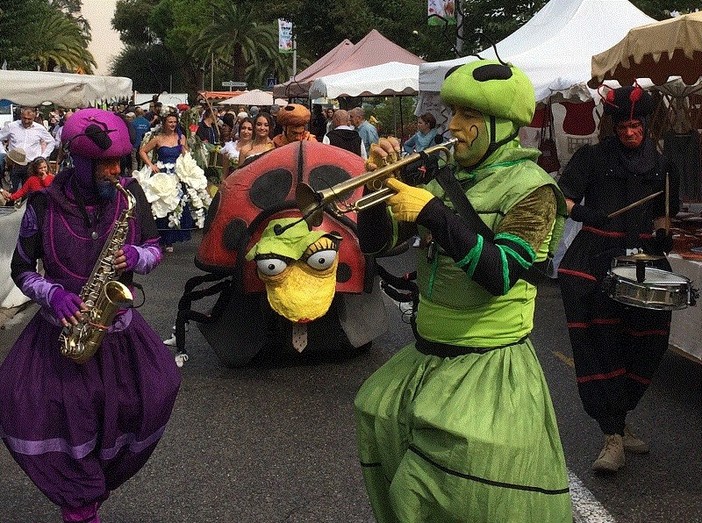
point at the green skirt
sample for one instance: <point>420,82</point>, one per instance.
<point>471,438</point>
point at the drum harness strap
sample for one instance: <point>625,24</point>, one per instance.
<point>535,274</point>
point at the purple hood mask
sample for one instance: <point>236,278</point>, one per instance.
<point>93,134</point>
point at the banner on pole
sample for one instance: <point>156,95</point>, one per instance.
<point>285,38</point>
<point>441,12</point>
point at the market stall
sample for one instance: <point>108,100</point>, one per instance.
<point>64,89</point>
<point>686,323</point>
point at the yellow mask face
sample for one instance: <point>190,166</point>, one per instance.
<point>301,290</point>
<point>468,126</point>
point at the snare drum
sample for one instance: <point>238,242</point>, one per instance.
<point>660,290</point>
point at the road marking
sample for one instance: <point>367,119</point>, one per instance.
<point>565,359</point>
<point>586,509</point>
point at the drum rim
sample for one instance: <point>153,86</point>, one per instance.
<point>683,279</point>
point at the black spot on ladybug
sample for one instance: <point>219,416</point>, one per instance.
<point>343,272</point>
<point>271,188</point>
<point>233,233</point>
<point>326,176</point>
<point>211,212</point>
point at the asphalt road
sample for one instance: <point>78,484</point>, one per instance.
<point>276,443</point>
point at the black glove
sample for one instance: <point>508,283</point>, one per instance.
<point>588,215</point>
<point>601,263</point>
<point>662,242</point>
<point>421,171</point>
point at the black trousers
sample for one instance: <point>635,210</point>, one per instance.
<point>617,349</point>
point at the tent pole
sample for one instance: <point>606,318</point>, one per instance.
<point>402,126</point>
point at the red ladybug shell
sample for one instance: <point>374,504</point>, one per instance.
<point>265,190</point>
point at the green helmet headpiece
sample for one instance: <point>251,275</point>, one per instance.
<point>493,88</point>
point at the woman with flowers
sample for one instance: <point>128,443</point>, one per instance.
<point>169,191</point>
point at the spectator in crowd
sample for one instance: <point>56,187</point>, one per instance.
<point>31,137</point>
<point>366,130</point>
<point>425,135</point>
<point>329,113</point>
<point>344,135</point>
<point>261,142</point>
<point>3,155</point>
<point>38,177</point>
<point>318,123</point>
<point>207,130</point>
<point>154,114</point>
<point>277,128</point>
<point>241,115</point>
<point>141,126</point>
<point>63,156</point>
<point>232,149</point>
<point>294,119</point>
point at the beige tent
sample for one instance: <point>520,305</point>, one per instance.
<point>656,51</point>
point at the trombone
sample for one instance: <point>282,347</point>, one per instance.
<point>311,203</point>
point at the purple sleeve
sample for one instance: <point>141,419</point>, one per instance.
<point>27,251</point>
<point>36,287</point>
<point>149,256</point>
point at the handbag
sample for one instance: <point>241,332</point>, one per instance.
<point>548,160</point>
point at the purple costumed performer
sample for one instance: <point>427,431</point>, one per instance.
<point>80,430</point>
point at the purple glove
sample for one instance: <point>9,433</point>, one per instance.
<point>64,304</point>
<point>132,256</point>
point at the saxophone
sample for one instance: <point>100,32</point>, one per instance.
<point>102,293</point>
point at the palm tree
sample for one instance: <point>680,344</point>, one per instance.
<point>61,44</point>
<point>240,42</point>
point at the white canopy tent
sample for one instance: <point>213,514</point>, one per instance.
<point>64,89</point>
<point>392,78</point>
<point>555,47</point>
<point>253,97</point>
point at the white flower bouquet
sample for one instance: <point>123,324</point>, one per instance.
<point>175,186</point>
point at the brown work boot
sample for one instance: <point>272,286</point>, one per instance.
<point>611,458</point>
<point>632,443</point>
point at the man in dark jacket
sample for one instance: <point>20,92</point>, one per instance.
<point>344,135</point>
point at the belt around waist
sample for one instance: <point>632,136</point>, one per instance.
<point>445,350</point>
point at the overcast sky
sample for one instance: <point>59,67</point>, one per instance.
<point>105,44</point>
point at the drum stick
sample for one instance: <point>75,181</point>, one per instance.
<point>633,205</point>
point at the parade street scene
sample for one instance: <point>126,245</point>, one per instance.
<point>416,262</point>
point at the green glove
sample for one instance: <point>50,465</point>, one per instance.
<point>408,202</point>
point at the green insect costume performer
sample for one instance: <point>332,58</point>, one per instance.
<point>459,426</point>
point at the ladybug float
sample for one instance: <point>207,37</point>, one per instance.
<point>282,286</point>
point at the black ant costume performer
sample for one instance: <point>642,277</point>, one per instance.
<point>616,348</point>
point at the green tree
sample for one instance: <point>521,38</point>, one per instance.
<point>242,45</point>
<point>662,10</point>
<point>150,69</point>
<point>38,34</point>
<point>319,25</point>
<point>73,9</point>
<point>129,21</point>
<point>63,45</point>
